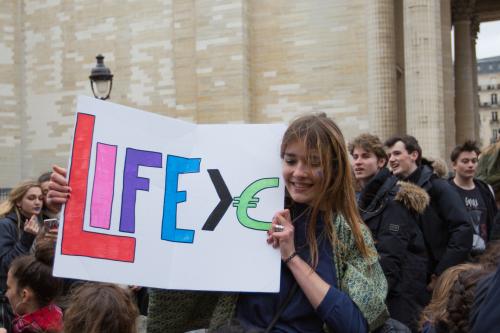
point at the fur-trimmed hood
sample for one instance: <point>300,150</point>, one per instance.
<point>413,197</point>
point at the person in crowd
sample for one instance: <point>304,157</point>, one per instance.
<point>434,317</point>
<point>440,168</point>
<point>31,290</point>
<point>18,227</point>
<point>391,209</point>
<point>490,259</point>
<point>100,308</point>
<point>488,170</point>
<point>477,196</point>
<point>446,229</point>
<point>330,272</point>
<point>461,299</point>
<point>49,211</point>
<point>484,314</point>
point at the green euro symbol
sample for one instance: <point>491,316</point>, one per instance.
<point>247,200</point>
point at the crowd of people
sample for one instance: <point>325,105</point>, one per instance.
<point>373,238</point>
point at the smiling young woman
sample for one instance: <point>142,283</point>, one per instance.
<point>330,275</point>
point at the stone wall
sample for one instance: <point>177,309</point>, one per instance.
<point>10,95</point>
<point>207,61</point>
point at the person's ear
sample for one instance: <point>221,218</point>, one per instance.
<point>27,295</point>
<point>381,162</point>
<point>414,155</point>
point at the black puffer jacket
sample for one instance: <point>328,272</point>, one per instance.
<point>11,245</point>
<point>447,231</point>
<point>391,209</point>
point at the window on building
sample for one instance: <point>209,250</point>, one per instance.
<point>494,116</point>
<point>494,135</point>
<point>494,99</point>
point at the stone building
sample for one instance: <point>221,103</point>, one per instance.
<point>488,78</point>
<point>381,66</point>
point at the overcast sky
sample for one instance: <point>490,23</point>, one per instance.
<point>488,41</point>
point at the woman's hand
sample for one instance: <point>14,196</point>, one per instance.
<point>31,226</point>
<point>313,286</point>
<point>59,191</point>
<point>282,233</point>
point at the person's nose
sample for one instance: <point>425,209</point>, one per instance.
<point>300,170</point>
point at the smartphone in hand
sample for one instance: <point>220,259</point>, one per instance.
<point>50,224</point>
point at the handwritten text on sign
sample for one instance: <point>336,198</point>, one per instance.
<point>165,203</point>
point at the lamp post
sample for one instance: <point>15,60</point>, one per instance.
<point>101,78</point>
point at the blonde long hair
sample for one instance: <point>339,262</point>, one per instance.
<point>15,196</point>
<point>437,311</point>
<point>321,135</point>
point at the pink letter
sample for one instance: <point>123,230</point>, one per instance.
<point>104,180</point>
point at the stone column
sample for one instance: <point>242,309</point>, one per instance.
<point>424,75</point>
<point>475,106</point>
<point>464,90</point>
<point>382,89</point>
<point>448,84</point>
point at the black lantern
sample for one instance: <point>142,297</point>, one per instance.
<point>101,78</point>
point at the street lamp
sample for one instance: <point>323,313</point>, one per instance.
<point>101,77</point>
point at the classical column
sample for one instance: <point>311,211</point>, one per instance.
<point>382,89</point>
<point>464,90</point>
<point>475,105</point>
<point>448,84</point>
<point>424,75</point>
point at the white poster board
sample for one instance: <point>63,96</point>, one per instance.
<point>164,203</point>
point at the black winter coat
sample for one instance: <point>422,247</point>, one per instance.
<point>390,209</point>
<point>11,245</point>
<point>447,231</point>
<point>491,208</point>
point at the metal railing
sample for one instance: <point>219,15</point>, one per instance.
<point>4,193</point>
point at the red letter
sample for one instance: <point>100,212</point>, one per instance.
<point>75,240</point>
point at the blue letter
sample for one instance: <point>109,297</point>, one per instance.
<point>176,165</point>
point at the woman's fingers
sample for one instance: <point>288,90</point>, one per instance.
<point>57,169</point>
<point>59,191</point>
<point>56,196</point>
<point>57,181</point>
<point>281,233</point>
<point>283,217</point>
<point>31,226</point>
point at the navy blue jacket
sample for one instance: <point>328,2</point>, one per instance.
<point>485,312</point>
<point>11,245</point>
<point>339,313</point>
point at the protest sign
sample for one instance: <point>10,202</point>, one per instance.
<point>165,203</point>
